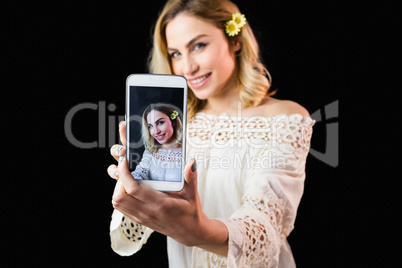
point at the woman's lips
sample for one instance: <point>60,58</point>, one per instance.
<point>199,81</point>
<point>160,137</point>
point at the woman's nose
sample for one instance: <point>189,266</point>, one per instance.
<point>190,66</point>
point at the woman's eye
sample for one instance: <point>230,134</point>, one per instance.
<point>161,123</point>
<point>175,55</point>
<point>199,46</point>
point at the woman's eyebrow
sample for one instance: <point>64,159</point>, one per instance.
<point>191,41</point>
<point>155,121</point>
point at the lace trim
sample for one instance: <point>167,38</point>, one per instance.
<point>288,133</point>
<point>262,238</point>
<point>217,261</point>
<point>168,155</point>
<point>132,230</point>
<point>141,171</point>
<point>276,209</point>
<point>262,246</point>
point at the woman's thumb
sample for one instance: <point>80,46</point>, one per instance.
<point>190,172</point>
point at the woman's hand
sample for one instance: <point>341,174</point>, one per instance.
<point>177,215</point>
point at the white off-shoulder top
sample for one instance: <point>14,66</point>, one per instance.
<point>164,165</point>
<point>251,173</point>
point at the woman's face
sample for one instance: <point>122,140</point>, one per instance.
<point>200,52</point>
<point>160,127</point>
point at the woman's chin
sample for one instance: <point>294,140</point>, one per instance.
<point>201,93</point>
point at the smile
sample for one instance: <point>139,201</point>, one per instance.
<point>200,81</point>
<point>160,137</point>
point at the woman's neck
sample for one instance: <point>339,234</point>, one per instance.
<point>226,101</point>
<point>169,146</point>
<point>229,104</point>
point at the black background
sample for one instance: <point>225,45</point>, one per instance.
<point>70,53</point>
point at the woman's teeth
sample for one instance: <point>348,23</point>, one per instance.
<point>160,137</point>
<point>199,80</point>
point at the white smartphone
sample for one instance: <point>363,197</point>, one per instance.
<point>156,114</point>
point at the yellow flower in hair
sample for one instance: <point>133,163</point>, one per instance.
<point>239,19</point>
<point>173,115</point>
<point>232,28</point>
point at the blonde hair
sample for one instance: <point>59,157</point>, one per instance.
<point>254,79</point>
<point>149,142</point>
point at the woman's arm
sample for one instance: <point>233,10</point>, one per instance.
<point>177,215</point>
<point>215,239</point>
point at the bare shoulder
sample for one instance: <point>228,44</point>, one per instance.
<point>271,106</point>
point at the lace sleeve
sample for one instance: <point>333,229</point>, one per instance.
<point>256,231</point>
<point>127,236</point>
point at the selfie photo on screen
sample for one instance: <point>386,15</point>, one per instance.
<point>161,133</point>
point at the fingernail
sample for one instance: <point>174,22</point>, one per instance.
<point>121,158</point>
<point>121,122</point>
<point>116,174</point>
<point>118,149</point>
<point>194,166</point>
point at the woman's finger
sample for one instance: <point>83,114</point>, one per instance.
<point>122,132</point>
<point>112,171</point>
<point>190,175</point>
<point>139,191</point>
<point>117,150</point>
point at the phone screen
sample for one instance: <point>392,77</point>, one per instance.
<point>156,132</point>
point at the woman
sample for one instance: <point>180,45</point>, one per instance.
<point>161,133</point>
<point>239,202</point>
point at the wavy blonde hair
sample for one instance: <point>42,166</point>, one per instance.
<point>253,81</point>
